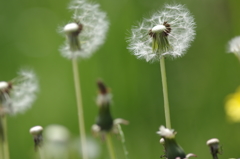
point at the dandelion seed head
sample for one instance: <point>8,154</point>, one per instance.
<point>179,31</point>
<point>95,26</point>
<point>234,46</point>
<point>21,93</point>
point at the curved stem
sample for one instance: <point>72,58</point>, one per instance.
<point>123,141</point>
<point>110,146</point>
<point>5,138</point>
<point>80,109</point>
<point>165,92</point>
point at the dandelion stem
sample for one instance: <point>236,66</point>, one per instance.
<point>80,109</point>
<point>123,141</point>
<point>1,139</point>
<point>238,57</point>
<point>4,138</point>
<point>110,146</point>
<point>1,149</point>
<point>41,153</point>
<point>165,92</point>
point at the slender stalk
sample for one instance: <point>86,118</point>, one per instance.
<point>5,138</point>
<point>80,109</point>
<point>238,57</point>
<point>41,153</point>
<point>1,149</point>
<point>123,141</point>
<point>1,138</point>
<point>165,92</point>
<point>110,146</point>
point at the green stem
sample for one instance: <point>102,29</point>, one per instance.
<point>238,57</point>
<point>165,92</point>
<point>41,153</point>
<point>80,109</point>
<point>5,138</point>
<point>110,146</point>
<point>123,141</point>
<point>1,149</point>
<point>1,138</point>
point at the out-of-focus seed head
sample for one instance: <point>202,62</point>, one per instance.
<point>19,94</point>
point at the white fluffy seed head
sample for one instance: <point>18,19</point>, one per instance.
<point>212,141</point>
<point>182,33</point>
<point>71,27</point>
<point>95,26</point>
<point>36,130</point>
<point>234,46</point>
<point>166,133</point>
<point>22,94</point>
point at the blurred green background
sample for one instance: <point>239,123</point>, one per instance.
<point>198,82</point>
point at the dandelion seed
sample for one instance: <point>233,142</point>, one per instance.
<point>87,31</point>
<point>234,46</point>
<point>18,95</point>
<point>167,33</point>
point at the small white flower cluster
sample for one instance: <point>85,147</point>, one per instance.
<point>19,94</point>
<point>234,46</point>
<point>95,26</point>
<point>166,133</point>
<point>180,32</point>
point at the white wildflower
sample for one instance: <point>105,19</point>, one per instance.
<point>166,133</point>
<point>93,26</point>
<point>167,33</point>
<point>234,46</point>
<point>20,93</point>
